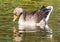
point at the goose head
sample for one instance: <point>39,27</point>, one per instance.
<point>17,11</point>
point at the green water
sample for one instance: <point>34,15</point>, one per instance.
<point>6,16</point>
<point>39,38</point>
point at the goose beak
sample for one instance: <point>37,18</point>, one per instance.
<point>14,18</point>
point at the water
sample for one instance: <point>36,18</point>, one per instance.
<point>6,10</point>
<point>32,37</point>
<point>40,37</point>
